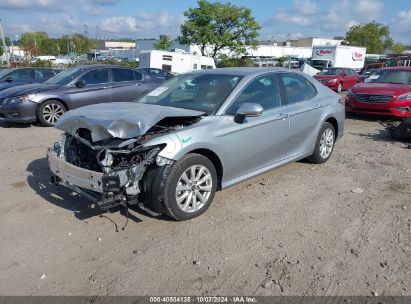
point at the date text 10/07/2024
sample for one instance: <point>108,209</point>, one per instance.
<point>202,299</point>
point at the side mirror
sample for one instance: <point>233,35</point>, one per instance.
<point>80,84</point>
<point>248,110</point>
<point>8,79</point>
<point>343,74</point>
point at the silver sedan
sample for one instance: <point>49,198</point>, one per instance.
<point>172,149</point>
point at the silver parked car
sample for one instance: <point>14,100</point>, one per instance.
<point>200,132</point>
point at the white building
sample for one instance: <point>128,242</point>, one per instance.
<point>313,41</point>
<point>13,51</point>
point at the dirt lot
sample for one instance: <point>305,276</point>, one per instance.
<point>300,230</point>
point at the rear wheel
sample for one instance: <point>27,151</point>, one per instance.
<point>324,145</point>
<point>189,187</point>
<point>49,112</point>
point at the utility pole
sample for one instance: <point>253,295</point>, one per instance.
<point>4,43</point>
<point>12,50</point>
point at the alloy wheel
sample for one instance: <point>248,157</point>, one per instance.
<point>194,188</point>
<point>52,112</point>
<point>326,143</point>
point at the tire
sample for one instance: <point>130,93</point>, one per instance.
<point>339,87</point>
<point>324,136</point>
<point>177,204</point>
<point>49,112</point>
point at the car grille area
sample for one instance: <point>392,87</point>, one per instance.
<point>374,98</point>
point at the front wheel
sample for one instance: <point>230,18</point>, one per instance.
<point>49,112</point>
<point>189,188</point>
<point>324,145</point>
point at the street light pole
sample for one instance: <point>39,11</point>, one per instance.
<point>4,43</point>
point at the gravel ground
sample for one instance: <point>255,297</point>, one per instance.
<point>341,228</point>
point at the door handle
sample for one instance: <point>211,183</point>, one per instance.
<point>318,106</point>
<point>138,84</point>
<point>281,116</point>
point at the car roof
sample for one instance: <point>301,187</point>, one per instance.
<point>243,71</point>
<point>30,68</point>
<point>399,68</point>
<point>95,66</point>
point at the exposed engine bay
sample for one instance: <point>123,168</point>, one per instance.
<point>110,172</point>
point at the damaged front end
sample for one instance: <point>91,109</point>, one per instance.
<point>109,173</point>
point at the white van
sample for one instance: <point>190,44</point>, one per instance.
<point>177,62</point>
<point>342,56</point>
<point>43,58</point>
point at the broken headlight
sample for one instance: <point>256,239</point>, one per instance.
<point>162,161</point>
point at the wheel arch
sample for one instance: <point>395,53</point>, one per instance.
<point>54,98</point>
<point>213,157</point>
<point>334,123</point>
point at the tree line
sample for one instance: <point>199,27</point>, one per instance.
<point>213,26</point>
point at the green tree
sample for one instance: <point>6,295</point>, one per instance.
<point>76,43</point>
<point>216,26</point>
<point>81,44</point>
<point>374,36</point>
<point>48,47</point>
<point>163,44</point>
<point>398,48</point>
<point>31,42</point>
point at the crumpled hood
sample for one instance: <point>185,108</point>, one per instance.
<point>30,88</point>
<point>118,119</point>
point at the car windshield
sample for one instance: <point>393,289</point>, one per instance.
<point>332,72</point>
<point>201,92</point>
<point>66,76</point>
<point>4,72</point>
<point>368,72</point>
<point>393,76</point>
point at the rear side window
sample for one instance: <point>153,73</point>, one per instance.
<point>295,88</point>
<point>96,77</point>
<point>121,75</point>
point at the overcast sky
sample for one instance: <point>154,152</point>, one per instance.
<point>147,19</point>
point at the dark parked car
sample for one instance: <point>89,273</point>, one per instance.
<point>73,88</point>
<point>338,79</point>
<point>157,73</point>
<point>18,76</point>
<point>387,94</point>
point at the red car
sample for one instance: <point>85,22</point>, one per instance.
<point>388,94</point>
<point>338,79</point>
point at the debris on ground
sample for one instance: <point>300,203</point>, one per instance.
<point>357,190</point>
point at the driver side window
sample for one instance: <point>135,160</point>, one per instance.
<point>21,75</point>
<point>263,90</point>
